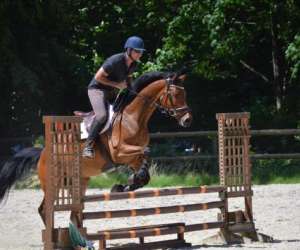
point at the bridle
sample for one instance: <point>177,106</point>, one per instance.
<point>172,111</point>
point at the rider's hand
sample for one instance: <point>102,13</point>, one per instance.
<point>122,85</point>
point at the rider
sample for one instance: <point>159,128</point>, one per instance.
<point>115,73</point>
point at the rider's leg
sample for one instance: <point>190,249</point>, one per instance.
<point>100,106</point>
<point>95,129</point>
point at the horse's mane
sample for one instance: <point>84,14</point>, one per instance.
<point>137,86</point>
<point>144,80</point>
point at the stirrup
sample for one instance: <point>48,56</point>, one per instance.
<point>88,152</point>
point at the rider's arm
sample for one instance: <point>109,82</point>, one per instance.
<point>101,76</point>
<point>129,81</point>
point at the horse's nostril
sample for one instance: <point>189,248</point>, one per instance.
<point>188,122</point>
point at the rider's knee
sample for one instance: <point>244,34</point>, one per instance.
<point>101,118</point>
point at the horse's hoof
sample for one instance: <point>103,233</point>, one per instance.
<point>117,188</point>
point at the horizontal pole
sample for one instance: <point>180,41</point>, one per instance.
<point>275,132</point>
<point>152,231</point>
<point>276,156</point>
<point>152,211</point>
<point>135,233</point>
<point>212,157</point>
<point>69,119</point>
<point>204,226</point>
<point>261,132</point>
<point>184,157</point>
<point>152,193</point>
<point>233,194</point>
<point>159,135</point>
<point>144,227</point>
<point>182,134</point>
<point>239,115</point>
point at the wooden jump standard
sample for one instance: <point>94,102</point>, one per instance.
<point>62,136</point>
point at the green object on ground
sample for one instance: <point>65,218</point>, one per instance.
<point>77,239</point>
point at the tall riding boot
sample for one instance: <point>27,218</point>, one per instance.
<point>88,150</point>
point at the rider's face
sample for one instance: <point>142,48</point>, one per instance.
<point>136,54</point>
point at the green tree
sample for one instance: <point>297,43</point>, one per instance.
<point>38,67</point>
<point>50,50</point>
<point>230,38</point>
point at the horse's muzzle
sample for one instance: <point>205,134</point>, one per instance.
<point>186,120</point>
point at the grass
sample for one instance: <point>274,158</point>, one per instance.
<point>286,180</point>
<point>272,179</point>
<point>190,179</point>
<point>107,180</point>
<point>263,172</point>
<point>164,180</point>
<point>276,172</point>
<point>161,180</point>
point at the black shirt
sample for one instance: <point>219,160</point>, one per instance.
<point>117,70</point>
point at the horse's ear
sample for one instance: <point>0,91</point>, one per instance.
<point>183,71</point>
<point>181,77</point>
<point>181,74</point>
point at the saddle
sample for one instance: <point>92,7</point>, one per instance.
<point>88,118</point>
<point>122,100</point>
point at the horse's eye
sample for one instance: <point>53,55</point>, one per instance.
<point>177,94</point>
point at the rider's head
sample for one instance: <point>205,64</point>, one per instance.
<point>134,47</point>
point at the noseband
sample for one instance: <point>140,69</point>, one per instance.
<point>172,111</point>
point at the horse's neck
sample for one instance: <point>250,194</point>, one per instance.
<point>142,106</point>
<point>130,135</point>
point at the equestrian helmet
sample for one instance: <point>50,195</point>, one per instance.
<point>134,42</point>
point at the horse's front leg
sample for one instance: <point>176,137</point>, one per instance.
<point>140,178</point>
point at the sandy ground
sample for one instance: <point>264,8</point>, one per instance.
<point>276,212</point>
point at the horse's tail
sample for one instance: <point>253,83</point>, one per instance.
<point>17,167</point>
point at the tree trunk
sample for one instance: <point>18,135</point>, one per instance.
<point>278,61</point>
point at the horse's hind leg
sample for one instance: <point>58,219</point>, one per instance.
<point>76,216</point>
<point>42,211</point>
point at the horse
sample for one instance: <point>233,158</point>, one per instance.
<point>125,142</point>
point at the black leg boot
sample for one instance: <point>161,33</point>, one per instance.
<point>88,150</point>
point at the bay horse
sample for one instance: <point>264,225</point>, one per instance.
<point>125,141</point>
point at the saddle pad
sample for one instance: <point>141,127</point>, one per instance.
<point>84,131</point>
